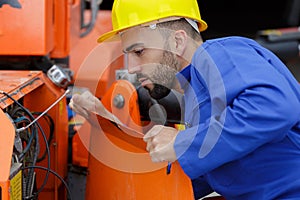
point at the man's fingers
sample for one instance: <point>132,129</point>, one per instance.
<point>160,140</point>
<point>85,101</point>
<point>155,158</point>
<point>149,146</point>
<point>75,99</point>
<point>82,99</point>
<point>81,111</point>
<point>78,109</point>
<point>152,132</point>
<point>151,137</point>
<point>157,154</point>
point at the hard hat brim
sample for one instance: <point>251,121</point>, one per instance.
<point>112,35</point>
<point>109,36</point>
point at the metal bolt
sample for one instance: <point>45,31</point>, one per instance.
<point>119,101</point>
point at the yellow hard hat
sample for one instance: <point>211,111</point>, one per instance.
<point>130,13</point>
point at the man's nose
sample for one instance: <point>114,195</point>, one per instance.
<point>132,69</point>
<point>132,66</point>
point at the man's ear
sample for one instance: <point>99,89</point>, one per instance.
<point>180,37</point>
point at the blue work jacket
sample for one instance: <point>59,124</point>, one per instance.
<point>242,113</point>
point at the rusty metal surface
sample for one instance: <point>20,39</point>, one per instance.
<point>18,84</point>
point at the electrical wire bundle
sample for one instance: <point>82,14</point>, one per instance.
<point>27,148</point>
<point>29,154</point>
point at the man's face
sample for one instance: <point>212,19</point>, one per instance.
<point>149,57</point>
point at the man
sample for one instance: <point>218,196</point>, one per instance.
<point>242,136</point>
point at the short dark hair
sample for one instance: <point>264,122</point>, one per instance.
<point>181,24</point>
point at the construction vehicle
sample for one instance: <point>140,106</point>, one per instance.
<point>48,51</point>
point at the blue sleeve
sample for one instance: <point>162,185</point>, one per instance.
<point>259,108</point>
<point>201,188</point>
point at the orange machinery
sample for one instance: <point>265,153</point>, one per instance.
<point>34,91</point>
<point>34,30</point>
<point>36,35</point>
<point>117,162</point>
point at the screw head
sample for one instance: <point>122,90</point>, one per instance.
<point>119,101</point>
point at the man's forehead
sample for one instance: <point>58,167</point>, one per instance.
<point>141,36</point>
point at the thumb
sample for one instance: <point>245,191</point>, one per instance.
<point>153,132</point>
<point>76,98</point>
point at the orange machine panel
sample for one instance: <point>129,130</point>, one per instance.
<point>27,30</point>
<point>7,137</point>
<point>37,93</point>
<point>119,165</point>
<point>82,47</point>
<point>39,27</point>
<point>66,26</point>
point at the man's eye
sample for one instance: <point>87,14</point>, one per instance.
<point>139,52</point>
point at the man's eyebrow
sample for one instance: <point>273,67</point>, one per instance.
<point>131,47</point>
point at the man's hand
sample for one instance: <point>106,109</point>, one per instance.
<point>86,103</point>
<point>160,143</point>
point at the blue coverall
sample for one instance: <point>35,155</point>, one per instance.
<point>242,113</point>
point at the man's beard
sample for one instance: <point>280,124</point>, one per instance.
<point>164,76</point>
<point>159,91</point>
